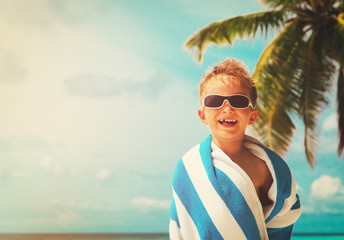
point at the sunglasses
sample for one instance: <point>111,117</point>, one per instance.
<point>237,101</point>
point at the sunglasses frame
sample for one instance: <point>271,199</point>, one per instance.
<point>227,96</point>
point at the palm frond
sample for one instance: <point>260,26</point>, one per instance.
<point>275,127</point>
<point>225,31</point>
<point>276,74</point>
<point>315,81</point>
<point>337,43</point>
<point>337,52</point>
<point>340,109</point>
<point>282,3</point>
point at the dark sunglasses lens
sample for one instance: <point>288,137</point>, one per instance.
<point>238,101</point>
<point>213,101</point>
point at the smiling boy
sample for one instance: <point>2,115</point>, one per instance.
<point>230,186</point>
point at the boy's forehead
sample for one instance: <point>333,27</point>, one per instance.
<point>222,83</point>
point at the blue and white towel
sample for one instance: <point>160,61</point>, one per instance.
<point>213,198</point>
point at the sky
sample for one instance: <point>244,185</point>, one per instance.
<point>98,101</point>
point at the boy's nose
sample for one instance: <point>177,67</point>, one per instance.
<point>227,106</point>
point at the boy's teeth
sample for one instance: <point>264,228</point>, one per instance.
<point>229,121</point>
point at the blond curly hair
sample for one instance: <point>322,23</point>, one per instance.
<point>230,70</point>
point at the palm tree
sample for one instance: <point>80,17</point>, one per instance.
<point>296,71</point>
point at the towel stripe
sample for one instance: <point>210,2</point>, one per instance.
<point>256,148</point>
<point>230,194</point>
<point>212,202</point>
<point>296,205</point>
<point>243,183</point>
<point>193,204</point>
<point>283,179</point>
<point>173,213</point>
<point>189,232</point>
<point>238,207</point>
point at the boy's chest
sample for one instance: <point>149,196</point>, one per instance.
<point>259,174</point>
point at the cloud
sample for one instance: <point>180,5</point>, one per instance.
<point>307,209</point>
<point>331,123</point>
<point>12,69</point>
<point>49,165</point>
<point>151,203</point>
<point>70,204</point>
<point>56,218</point>
<point>66,217</point>
<point>326,187</point>
<point>103,174</point>
<point>329,135</point>
<point>20,174</point>
<point>299,188</point>
<point>66,204</point>
<point>41,12</point>
<point>91,85</point>
<point>22,142</point>
<point>223,10</point>
<point>75,171</point>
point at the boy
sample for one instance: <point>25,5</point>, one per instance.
<point>230,186</point>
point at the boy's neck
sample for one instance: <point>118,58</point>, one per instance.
<point>230,147</point>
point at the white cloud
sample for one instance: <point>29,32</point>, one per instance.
<point>71,203</point>
<point>75,172</point>
<point>103,174</point>
<point>91,85</point>
<point>308,209</point>
<point>57,218</point>
<point>68,204</point>
<point>48,163</point>
<point>329,136</point>
<point>223,9</point>
<point>63,217</point>
<point>20,174</point>
<point>151,203</point>
<point>11,67</point>
<point>326,186</point>
<point>297,144</point>
<point>331,123</point>
<point>299,188</point>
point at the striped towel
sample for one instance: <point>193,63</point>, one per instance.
<point>213,198</point>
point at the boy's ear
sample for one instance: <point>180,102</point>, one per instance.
<point>201,115</point>
<point>253,116</point>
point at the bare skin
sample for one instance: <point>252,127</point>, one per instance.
<point>258,172</point>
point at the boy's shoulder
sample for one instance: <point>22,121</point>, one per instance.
<point>279,165</point>
<point>273,156</point>
<point>277,161</point>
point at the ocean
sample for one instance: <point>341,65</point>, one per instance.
<point>137,236</point>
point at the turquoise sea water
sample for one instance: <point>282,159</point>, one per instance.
<point>134,237</point>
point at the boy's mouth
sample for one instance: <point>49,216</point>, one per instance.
<point>228,122</point>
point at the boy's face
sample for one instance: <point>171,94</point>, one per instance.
<point>224,131</point>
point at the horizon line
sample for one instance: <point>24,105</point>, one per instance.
<point>151,233</point>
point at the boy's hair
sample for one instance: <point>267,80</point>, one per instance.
<point>230,69</point>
